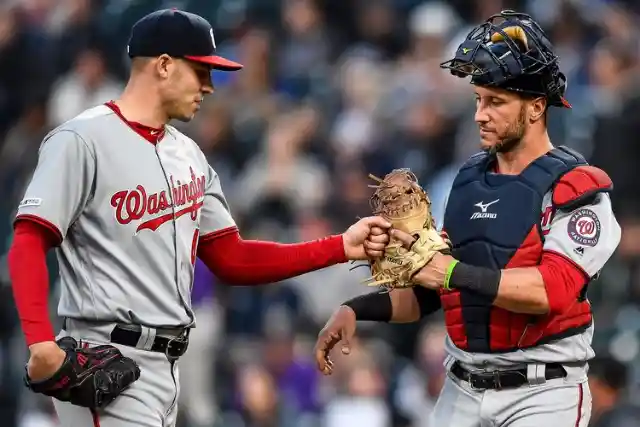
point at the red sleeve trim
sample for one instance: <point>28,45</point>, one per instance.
<point>43,222</point>
<point>250,262</point>
<point>218,233</point>
<point>563,280</point>
<point>30,279</point>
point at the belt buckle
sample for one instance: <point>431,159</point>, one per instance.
<point>179,344</point>
<point>495,379</point>
<point>472,384</point>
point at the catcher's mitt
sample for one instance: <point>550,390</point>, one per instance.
<point>89,377</point>
<point>404,203</point>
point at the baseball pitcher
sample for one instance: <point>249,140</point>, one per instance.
<point>128,202</point>
<point>530,227</point>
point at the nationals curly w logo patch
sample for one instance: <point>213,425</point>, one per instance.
<point>584,227</point>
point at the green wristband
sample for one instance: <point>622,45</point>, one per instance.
<point>447,275</point>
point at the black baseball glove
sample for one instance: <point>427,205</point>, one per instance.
<point>89,377</point>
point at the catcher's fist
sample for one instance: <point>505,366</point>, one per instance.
<point>340,327</point>
<point>357,242</point>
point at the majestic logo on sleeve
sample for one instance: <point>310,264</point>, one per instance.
<point>32,201</point>
<point>134,205</point>
<point>584,227</point>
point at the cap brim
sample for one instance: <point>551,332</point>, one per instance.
<point>217,62</point>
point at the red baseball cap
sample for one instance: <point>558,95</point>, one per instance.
<point>179,34</point>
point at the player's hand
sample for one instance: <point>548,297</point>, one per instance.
<point>366,238</point>
<point>340,327</point>
<point>432,275</point>
<point>375,243</point>
<point>45,360</point>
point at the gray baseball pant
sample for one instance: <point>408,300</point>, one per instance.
<point>562,402</point>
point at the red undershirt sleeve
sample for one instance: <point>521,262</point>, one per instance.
<point>30,279</point>
<point>563,280</point>
<point>250,262</point>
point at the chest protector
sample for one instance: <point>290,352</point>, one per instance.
<point>494,221</point>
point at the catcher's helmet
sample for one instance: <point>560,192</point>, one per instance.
<point>512,52</point>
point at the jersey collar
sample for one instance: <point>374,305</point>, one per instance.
<point>153,135</point>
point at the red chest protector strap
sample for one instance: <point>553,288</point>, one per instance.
<point>580,186</point>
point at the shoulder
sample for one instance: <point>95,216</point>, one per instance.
<point>579,187</point>
<point>83,127</point>
<point>475,160</point>
<point>90,120</point>
<point>470,169</point>
<point>67,140</point>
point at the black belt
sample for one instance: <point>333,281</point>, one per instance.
<point>497,380</point>
<point>173,347</point>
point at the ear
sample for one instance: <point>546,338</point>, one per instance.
<point>164,65</point>
<point>537,108</point>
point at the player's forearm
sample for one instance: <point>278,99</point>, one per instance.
<point>30,282</point>
<point>396,306</point>
<point>522,290</point>
<point>518,290</point>
<point>550,287</point>
<point>250,262</point>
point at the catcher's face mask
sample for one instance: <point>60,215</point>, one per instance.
<point>512,52</point>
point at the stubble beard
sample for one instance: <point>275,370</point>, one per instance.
<point>513,136</point>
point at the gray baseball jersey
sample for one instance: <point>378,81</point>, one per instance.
<point>587,236</point>
<point>130,214</point>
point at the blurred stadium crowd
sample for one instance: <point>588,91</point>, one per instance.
<point>331,91</point>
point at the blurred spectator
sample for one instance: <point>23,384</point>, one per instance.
<point>306,49</point>
<point>616,101</point>
<point>88,84</point>
<point>360,398</point>
<point>24,73</point>
<point>260,403</point>
<point>419,384</point>
<point>608,381</point>
<point>378,26</point>
<point>283,170</point>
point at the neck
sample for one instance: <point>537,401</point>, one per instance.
<point>532,146</point>
<point>140,103</point>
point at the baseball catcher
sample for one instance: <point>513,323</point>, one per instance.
<point>531,227</point>
<point>400,199</point>
<point>89,377</point>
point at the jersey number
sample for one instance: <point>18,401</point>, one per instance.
<point>194,246</point>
